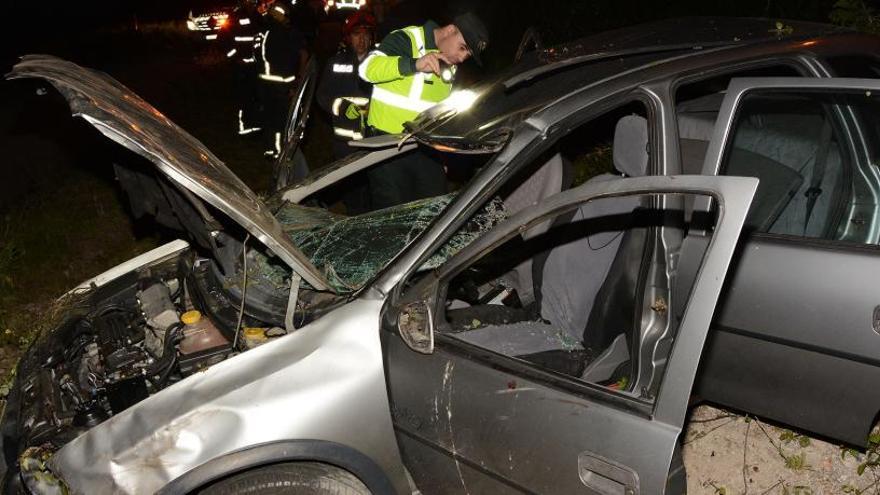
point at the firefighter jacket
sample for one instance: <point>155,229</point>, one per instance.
<point>278,54</point>
<point>245,37</point>
<point>399,91</point>
<point>343,95</point>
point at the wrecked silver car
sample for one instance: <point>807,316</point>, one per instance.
<point>264,350</point>
<point>793,104</point>
<point>536,331</point>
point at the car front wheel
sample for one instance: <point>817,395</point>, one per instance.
<point>302,478</point>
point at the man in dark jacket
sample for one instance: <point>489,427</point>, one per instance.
<point>345,96</point>
<point>244,37</point>
<point>281,57</point>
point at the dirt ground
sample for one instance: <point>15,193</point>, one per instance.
<point>726,454</point>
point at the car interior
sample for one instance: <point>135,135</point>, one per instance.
<point>580,294</point>
<point>567,294</point>
<point>786,141</point>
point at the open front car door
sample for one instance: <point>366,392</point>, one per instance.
<point>588,391</point>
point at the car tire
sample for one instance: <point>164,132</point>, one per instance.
<point>306,478</point>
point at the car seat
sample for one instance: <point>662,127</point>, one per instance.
<point>574,272</point>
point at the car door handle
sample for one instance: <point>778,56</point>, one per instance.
<point>606,476</point>
<point>875,320</point>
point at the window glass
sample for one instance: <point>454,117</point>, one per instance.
<point>814,182</point>
<point>860,66</point>
<point>697,105</point>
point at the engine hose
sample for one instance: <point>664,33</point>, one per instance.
<point>109,308</point>
<point>169,355</point>
<point>163,378</point>
<point>171,334</point>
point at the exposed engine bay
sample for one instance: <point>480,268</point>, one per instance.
<point>124,341</point>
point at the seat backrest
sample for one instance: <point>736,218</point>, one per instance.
<point>552,177</point>
<point>778,147</point>
<point>574,272</point>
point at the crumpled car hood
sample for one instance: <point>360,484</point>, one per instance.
<point>122,116</point>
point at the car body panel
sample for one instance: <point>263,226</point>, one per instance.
<point>482,416</point>
<point>157,255</point>
<point>339,170</point>
<point>815,343</point>
<point>661,78</point>
<point>333,382</point>
<point>323,382</point>
<point>126,119</point>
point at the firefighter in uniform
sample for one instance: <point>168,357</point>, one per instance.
<point>281,57</point>
<point>343,95</point>
<point>405,72</point>
<point>244,38</point>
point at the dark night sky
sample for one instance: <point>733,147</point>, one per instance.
<point>31,25</point>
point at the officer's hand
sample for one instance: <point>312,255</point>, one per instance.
<point>430,62</point>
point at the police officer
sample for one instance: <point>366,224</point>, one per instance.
<point>406,75</point>
<point>244,35</point>
<point>281,57</point>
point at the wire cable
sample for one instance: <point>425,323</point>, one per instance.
<point>243,291</point>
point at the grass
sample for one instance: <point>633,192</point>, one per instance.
<point>53,242</point>
<point>75,224</point>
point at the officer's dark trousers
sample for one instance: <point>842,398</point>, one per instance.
<point>275,103</point>
<point>245,90</point>
<point>408,177</point>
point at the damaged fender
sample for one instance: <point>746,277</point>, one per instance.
<point>328,377</point>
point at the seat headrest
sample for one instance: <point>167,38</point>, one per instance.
<point>630,149</point>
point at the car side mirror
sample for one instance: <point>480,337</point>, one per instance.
<point>415,322</point>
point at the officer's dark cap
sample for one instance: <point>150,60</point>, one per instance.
<point>474,32</point>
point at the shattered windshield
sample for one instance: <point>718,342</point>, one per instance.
<point>351,250</point>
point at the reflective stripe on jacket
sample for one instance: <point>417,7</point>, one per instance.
<point>342,94</point>
<point>399,91</point>
<point>279,54</point>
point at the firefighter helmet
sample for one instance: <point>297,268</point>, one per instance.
<point>359,19</point>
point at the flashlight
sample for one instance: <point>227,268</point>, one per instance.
<point>447,72</point>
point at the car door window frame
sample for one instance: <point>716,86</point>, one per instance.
<point>435,283</point>
<point>844,189</point>
<point>556,132</point>
<point>506,164</point>
<point>798,63</point>
<point>725,129</point>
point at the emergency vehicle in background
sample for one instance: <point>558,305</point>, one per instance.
<point>344,5</point>
<point>210,20</point>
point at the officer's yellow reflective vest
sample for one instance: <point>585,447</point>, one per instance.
<point>399,91</point>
